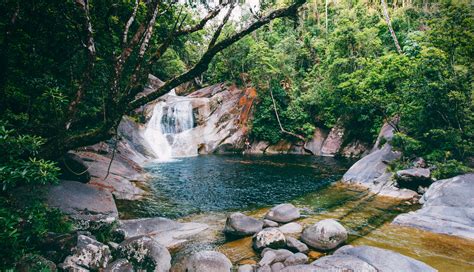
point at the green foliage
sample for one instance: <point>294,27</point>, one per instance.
<point>449,169</point>
<point>354,77</point>
<point>24,226</point>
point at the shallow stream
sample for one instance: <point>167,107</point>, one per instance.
<point>206,188</point>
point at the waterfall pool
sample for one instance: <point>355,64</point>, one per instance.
<point>206,188</point>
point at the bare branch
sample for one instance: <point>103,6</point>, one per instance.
<point>130,22</point>
<point>190,29</point>
<point>390,28</point>
<point>221,26</point>
<point>203,63</point>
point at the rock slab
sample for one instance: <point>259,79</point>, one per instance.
<point>448,208</point>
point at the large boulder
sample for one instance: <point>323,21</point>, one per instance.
<point>371,172</point>
<point>316,143</point>
<point>145,253</point>
<point>283,213</point>
<point>296,259</point>
<point>88,254</point>
<point>74,168</point>
<point>333,142</point>
<point>325,235</point>
<point>167,232</point>
<point>367,258</point>
<point>414,178</point>
<point>209,261</point>
<point>291,228</point>
<point>448,208</point>
<point>269,237</point>
<point>238,224</point>
<point>83,202</point>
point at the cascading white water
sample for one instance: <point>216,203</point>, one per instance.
<point>168,131</point>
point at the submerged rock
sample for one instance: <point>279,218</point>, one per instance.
<point>89,254</point>
<point>448,208</point>
<point>167,232</point>
<point>325,235</point>
<point>209,261</point>
<point>145,253</point>
<point>238,224</point>
<point>269,237</point>
<point>283,213</point>
<point>367,258</point>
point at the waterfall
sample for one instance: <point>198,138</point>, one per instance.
<point>168,131</point>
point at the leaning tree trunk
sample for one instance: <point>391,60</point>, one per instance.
<point>389,24</point>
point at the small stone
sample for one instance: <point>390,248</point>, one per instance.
<point>291,228</point>
<point>296,245</point>
<point>283,213</point>
<point>296,259</point>
<point>265,268</point>
<point>269,223</point>
<point>269,237</point>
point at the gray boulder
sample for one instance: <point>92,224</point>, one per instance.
<point>325,235</point>
<point>145,253</point>
<point>448,208</point>
<point>268,258</point>
<point>209,261</point>
<point>307,268</point>
<point>120,265</point>
<point>269,237</point>
<point>238,224</point>
<point>295,245</point>
<point>283,213</point>
<point>88,254</point>
<point>367,258</point>
<point>296,259</point>
<point>167,232</point>
<point>371,172</point>
<point>291,228</point>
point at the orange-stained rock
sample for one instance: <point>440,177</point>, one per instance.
<point>314,255</point>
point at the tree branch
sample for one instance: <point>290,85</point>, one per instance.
<point>390,28</point>
<point>203,63</point>
<point>190,29</point>
<point>221,26</point>
<point>130,22</point>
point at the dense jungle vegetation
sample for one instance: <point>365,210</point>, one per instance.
<point>69,72</point>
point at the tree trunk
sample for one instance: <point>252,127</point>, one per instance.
<point>389,24</point>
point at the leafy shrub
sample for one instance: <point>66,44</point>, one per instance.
<point>449,169</point>
<point>407,145</point>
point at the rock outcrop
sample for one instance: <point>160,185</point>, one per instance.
<point>167,232</point>
<point>448,208</point>
<point>84,203</point>
<point>372,170</point>
<point>88,254</point>
<point>414,178</point>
